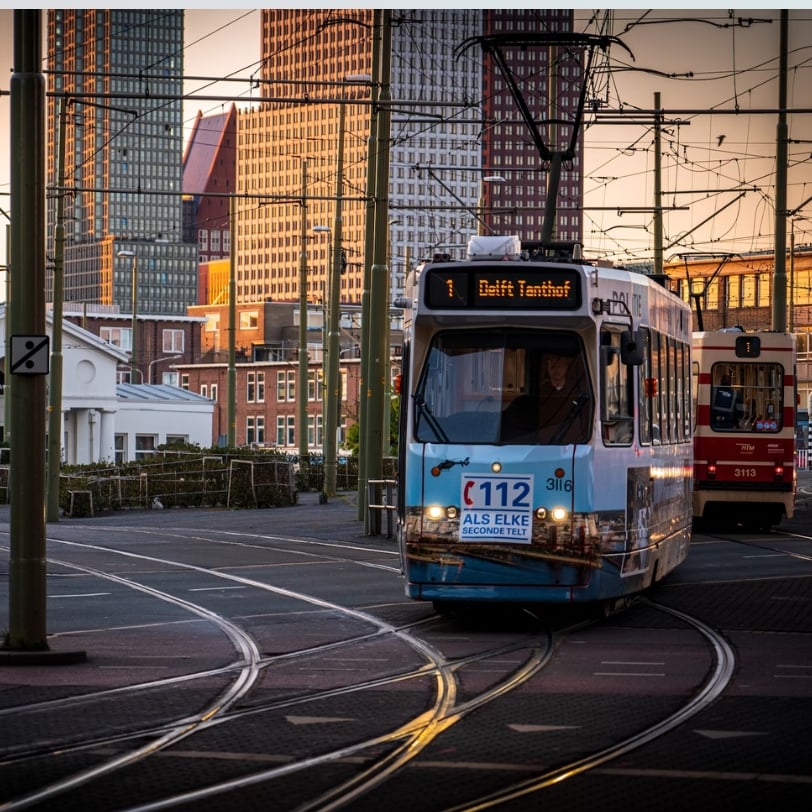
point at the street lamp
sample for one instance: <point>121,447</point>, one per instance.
<point>133,341</point>
<point>157,361</point>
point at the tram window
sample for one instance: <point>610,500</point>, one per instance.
<point>617,419</point>
<point>495,386</point>
<point>746,397</point>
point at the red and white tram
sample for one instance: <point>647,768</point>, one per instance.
<point>744,440</point>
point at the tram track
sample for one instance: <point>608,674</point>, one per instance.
<point>359,768</point>
<point>409,737</point>
<point>761,544</point>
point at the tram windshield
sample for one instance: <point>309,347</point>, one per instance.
<point>747,397</point>
<point>504,386</point>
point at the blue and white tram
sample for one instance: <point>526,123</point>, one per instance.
<point>546,443</point>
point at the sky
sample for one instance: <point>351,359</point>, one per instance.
<point>718,170</point>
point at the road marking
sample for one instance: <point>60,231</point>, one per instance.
<point>82,595</point>
<point>709,774</point>
<point>316,720</point>
<point>804,668</point>
<point>215,588</point>
<point>729,734</point>
<point>542,728</point>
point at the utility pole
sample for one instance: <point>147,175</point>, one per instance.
<point>26,637</point>
<point>55,383</point>
<point>780,277</point>
<point>369,244</point>
<point>231,381</point>
<point>302,399</point>
<point>658,188</point>
<point>377,340</point>
<point>332,388</point>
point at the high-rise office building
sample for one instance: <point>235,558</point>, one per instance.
<point>459,152</point>
<point>117,75</point>
<point>549,78</point>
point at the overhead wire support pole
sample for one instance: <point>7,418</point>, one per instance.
<point>303,358</point>
<point>658,191</point>
<point>231,378</point>
<point>779,315</point>
<point>333,382</point>
<point>26,637</point>
<point>55,381</point>
<point>369,246</point>
<point>378,342</point>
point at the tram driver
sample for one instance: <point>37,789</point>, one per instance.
<point>558,412</point>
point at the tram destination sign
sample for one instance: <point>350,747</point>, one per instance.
<point>490,287</point>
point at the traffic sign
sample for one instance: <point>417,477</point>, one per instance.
<point>29,355</point>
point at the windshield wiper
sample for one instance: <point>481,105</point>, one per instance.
<point>434,425</point>
<point>577,404</point>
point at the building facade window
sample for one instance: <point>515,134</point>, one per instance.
<point>173,341</point>
<point>117,336</point>
<point>145,445</point>
<point>120,449</point>
<point>177,439</point>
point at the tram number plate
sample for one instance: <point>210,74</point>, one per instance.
<point>497,508</point>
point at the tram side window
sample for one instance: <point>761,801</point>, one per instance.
<point>643,390</point>
<point>652,396</point>
<point>617,418</point>
<point>746,397</point>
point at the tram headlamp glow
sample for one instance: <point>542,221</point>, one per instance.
<point>559,514</point>
<point>496,467</point>
<point>439,512</point>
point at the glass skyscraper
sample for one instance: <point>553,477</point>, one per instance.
<point>117,78</point>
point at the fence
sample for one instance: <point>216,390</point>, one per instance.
<point>180,480</point>
<point>188,479</point>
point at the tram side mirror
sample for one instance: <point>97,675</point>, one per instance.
<point>631,348</point>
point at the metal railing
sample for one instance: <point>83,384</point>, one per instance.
<point>386,506</point>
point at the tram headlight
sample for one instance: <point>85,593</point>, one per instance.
<point>541,513</point>
<point>439,512</point>
<point>558,514</point>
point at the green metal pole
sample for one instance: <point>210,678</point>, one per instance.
<point>7,362</point>
<point>55,391</point>
<point>658,189</point>
<point>303,360</point>
<point>333,382</point>
<point>779,315</point>
<point>27,572</point>
<point>369,244</point>
<point>231,382</point>
<point>379,286</point>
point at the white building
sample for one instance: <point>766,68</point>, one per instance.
<point>103,422</point>
<point>150,415</point>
